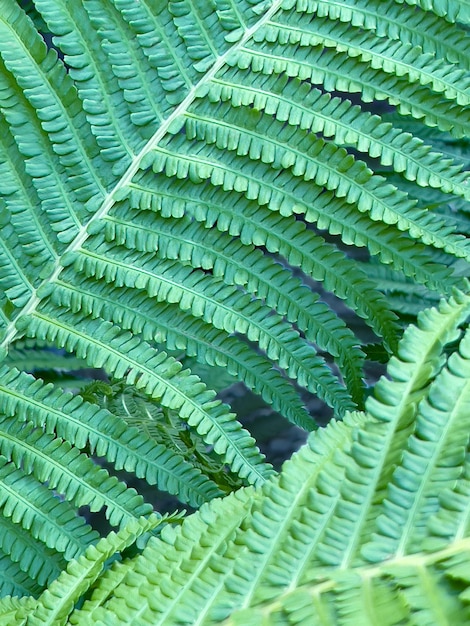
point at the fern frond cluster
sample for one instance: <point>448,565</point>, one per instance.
<point>368,521</point>
<point>174,179</point>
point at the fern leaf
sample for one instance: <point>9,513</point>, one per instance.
<point>409,590</point>
<point>215,526</point>
<point>393,405</point>
<point>12,607</point>
<point>247,267</point>
<point>225,307</point>
<point>398,21</point>
<point>31,505</point>
<point>276,561</point>
<point>34,558</point>
<point>295,102</point>
<point>329,213</point>
<point>451,10</point>
<point>310,159</point>
<point>15,582</point>
<point>29,359</point>
<point>269,554</point>
<point>161,377</point>
<point>391,57</point>
<point>137,77</point>
<point>336,71</point>
<point>122,144</point>
<point>50,91</point>
<point>282,566</point>
<point>68,472</point>
<point>451,519</point>
<point>84,424</point>
<point>163,322</point>
<point>435,453</point>
<point>55,604</point>
<point>300,246</point>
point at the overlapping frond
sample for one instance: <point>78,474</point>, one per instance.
<point>246,267</point>
<point>34,558</point>
<point>16,585</point>
<point>86,425</point>
<point>227,308</point>
<point>277,556</point>
<point>215,527</point>
<point>68,472</point>
<point>50,520</point>
<point>166,323</point>
<point>173,176</point>
<point>57,601</point>
<point>144,84</point>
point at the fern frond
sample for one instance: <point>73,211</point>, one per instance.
<point>323,208</point>
<point>34,558</point>
<point>304,520</point>
<point>225,307</point>
<point>167,323</point>
<point>435,453</point>
<point>15,582</point>
<point>36,509</point>
<point>36,358</point>
<point>162,377</point>
<point>276,554</point>
<point>83,424</point>
<point>284,559</point>
<point>166,163</point>
<point>452,10</point>
<point>397,58</point>
<point>293,101</point>
<point>213,528</point>
<point>245,266</point>
<point>404,297</point>
<point>244,132</point>
<point>139,89</point>
<point>11,607</point>
<point>302,247</point>
<point>393,406</point>
<point>412,589</point>
<point>68,472</point>
<point>396,21</point>
<point>55,604</point>
<point>451,520</point>
<point>336,71</point>
<point>51,93</point>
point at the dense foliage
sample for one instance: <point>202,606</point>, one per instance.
<point>179,182</point>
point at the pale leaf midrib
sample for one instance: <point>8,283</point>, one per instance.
<point>387,569</point>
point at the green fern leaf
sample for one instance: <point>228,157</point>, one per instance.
<point>395,58</point>
<point>55,604</point>
<point>68,472</point>
<point>398,21</point>
<point>278,555</point>
<point>292,101</point>
<point>186,163</point>
<point>451,10</point>
<point>31,505</point>
<point>34,558</point>
<point>83,424</point>
<point>129,121</point>
<point>247,267</point>
<point>435,453</point>
<point>12,607</point>
<point>15,582</point>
